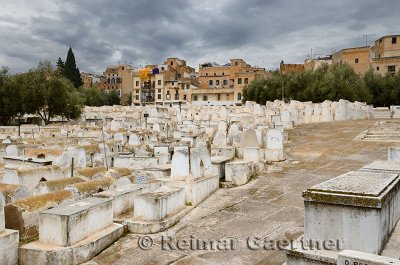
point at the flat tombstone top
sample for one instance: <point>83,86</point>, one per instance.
<point>76,207</point>
<point>383,166</point>
<point>357,183</point>
<point>364,189</point>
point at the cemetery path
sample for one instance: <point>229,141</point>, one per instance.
<point>270,207</point>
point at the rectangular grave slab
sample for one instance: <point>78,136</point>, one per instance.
<point>382,166</point>
<point>123,197</point>
<point>158,204</point>
<point>69,224</point>
<point>358,208</point>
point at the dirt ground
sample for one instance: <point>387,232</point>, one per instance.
<point>269,207</point>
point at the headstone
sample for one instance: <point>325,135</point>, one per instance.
<point>220,138</point>
<point>249,139</point>
<point>180,163</point>
<point>274,139</point>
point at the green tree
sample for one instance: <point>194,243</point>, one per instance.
<point>49,94</point>
<point>71,71</point>
<point>10,97</point>
<point>94,97</point>
<point>113,98</point>
<point>60,66</point>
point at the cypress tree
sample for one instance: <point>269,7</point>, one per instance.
<point>71,71</point>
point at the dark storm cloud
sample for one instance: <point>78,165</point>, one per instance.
<point>262,32</point>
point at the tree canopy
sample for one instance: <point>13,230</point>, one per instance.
<point>42,91</point>
<point>328,82</point>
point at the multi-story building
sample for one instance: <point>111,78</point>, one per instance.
<point>119,78</point>
<point>168,83</point>
<point>387,55</point>
<point>223,84</point>
<point>91,80</point>
<point>383,57</point>
<point>359,58</point>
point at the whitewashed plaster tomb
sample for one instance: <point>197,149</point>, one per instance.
<point>360,209</point>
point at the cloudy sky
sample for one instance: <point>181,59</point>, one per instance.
<point>263,32</point>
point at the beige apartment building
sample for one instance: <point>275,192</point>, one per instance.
<point>387,55</point>
<point>383,57</point>
<point>359,58</point>
<point>223,84</point>
<point>168,83</point>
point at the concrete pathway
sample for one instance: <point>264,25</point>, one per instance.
<point>270,207</point>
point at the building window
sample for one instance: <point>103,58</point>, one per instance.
<point>217,82</point>
<point>206,74</point>
<point>392,69</point>
<point>218,97</point>
<point>215,74</point>
<point>137,91</point>
<point>137,83</point>
<point>159,82</point>
<point>225,82</point>
<point>236,63</point>
<point>159,90</point>
<point>172,63</point>
<point>239,81</point>
<point>195,98</point>
<point>227,96</point>
<point>210,82</point>
<point>377,68</point>
<point>239,96</point>
<point>173,83</point>
<point>122,68</point>
<point>223,73</point>
<point>394,40</point>
<point>159,96</point>
<point>179,75</point>
<point>137,97</point>
<point>205,97</point>
<point>246,81</point>
<point>356,60</point>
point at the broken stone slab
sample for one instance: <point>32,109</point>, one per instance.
<point>355,257</point>
<point>123,197</point>
<point>239,172</point>
<point>360,209</point>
